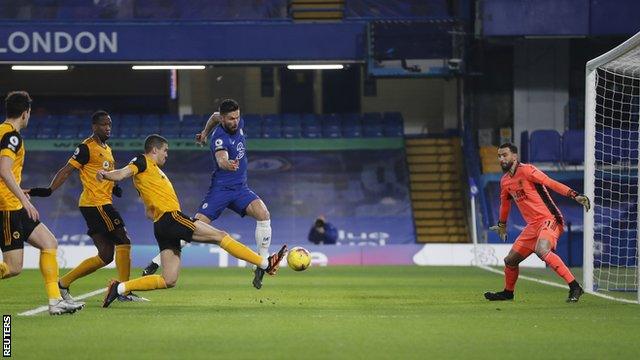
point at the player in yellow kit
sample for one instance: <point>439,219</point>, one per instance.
<point>170,224</point>
<point>106,227</point>
<point>19,219</point>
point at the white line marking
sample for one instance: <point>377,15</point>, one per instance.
<point>46,307</point>
<point>550,283</point>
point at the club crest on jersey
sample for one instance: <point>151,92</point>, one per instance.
<point>16,235</point>
<point>240,149</point>
<point>205,205</point>
<point>106,165</point>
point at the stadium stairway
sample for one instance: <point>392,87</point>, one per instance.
<point>316,10</point>
<point>435,174</point>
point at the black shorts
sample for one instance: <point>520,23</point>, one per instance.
<point>172,227</point>
<point>101,219</point>
<point>16,227</point>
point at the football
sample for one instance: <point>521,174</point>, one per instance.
<point>299,258</point>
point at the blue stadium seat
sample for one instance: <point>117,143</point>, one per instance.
<point>372,119</point>
<point>393,124</point>
<point>167,119</point>
<point>252,125</point>
<point>331,132</point>
<point>291,132</point>
<point>311,120</point>
<point>352,131</point>
<point>68,132</point>
<point>171,130</point>
<point>573,147</point>
<point>311,131</point>
<point>273,131</point>
<point>329,120</point>
<point>271,120</point>
<point>294,120</point>
<point>545,146</point>
<point>192,119</point>
<point>189,131</point>
<point>150,120</point>
<point>48,127</point>
<point>372,130</point>
<point>351,119</point>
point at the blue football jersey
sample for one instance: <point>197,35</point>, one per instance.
<point>234,144</point>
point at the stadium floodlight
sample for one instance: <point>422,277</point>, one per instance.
<point>167,67</point>
<point>611,233</point>
<point>40,67</point>
<point>315,67</point>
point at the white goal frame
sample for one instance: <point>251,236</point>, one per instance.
<point>590,160</point>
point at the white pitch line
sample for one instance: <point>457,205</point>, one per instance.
<point>550,283</point>
<point>46,307</point>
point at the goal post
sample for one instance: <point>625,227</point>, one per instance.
<point>611,233</point>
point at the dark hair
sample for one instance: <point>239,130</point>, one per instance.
<point>227,106</point>
<point>513,148</point>
<point>98,115</point>
<point>16,103</point>
<point>154,141</point>
<point>319,223</point>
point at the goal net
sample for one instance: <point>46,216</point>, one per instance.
<point>612,106</point>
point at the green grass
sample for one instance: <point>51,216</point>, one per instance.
<point>335,312</point>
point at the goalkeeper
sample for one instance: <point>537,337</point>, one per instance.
<point>527,185</point>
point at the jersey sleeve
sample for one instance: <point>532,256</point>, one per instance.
<point>10,144</point>
<point>80,156</point>
<point>505,204</point>
<point>138,164</point>
<point>219,141</point>
<point>537,176</point>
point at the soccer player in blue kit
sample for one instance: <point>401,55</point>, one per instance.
<point>228,187</point>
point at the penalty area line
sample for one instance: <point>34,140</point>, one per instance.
<point>550,283</point>
<point>46,307</point>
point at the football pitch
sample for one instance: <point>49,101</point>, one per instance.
<point>333,312</point>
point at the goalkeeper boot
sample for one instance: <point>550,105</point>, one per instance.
<point>499,296</point>
<point>150,269</point>
<point>112,293</point>
<point>574,293</point>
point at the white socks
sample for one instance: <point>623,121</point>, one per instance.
<point>263,237</point>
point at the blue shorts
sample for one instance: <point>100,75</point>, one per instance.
<point>220,198</point>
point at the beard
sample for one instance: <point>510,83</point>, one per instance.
<point>507,166</point>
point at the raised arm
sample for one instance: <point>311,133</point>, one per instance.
<point>213,121</point>
<point>539,177</point>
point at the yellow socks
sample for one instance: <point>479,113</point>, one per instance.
<point>240,251</point>
<point>49,270</point>
<point>85,268</point>
<point>144,283</point>
<point>123,262</point>
<point>4,270</point>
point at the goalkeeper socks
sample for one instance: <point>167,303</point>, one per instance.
<point>49,271</point>
<point>85,268</point>
<point>242,252</point>
<point>559,267</point>
<point>123,261</point>
<point>263,237</point>
<point>510,277</point>
<point>4,270</point>
<point>145,283</point>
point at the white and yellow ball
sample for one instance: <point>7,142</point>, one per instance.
<point>299,258</point>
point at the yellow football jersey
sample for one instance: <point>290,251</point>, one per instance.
<point>154,187</point>
<point>11,145</point>
<point>89,158</point>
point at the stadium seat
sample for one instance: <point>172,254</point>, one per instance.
<point>372,130</point>
<point>352,131</point>
<point>573,147</point>
<point>48,127</point>
<point>273,131</point>
<point>393,124</point>
<point>192,119</point>
<point>189,131</point>
<point>294,120</point>
<point>331,132</point>
<point>311,120</point>
<point>271,120</point>
<point>171,130</point>
<point>371,119</point>
<point>68,132</point>
<point>311,132</point>
<point>545,146</point>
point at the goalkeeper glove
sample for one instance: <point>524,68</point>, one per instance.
<point>501,229</point>
<point>41,192</point>
<point>117,191</point>
<point>581,198</point>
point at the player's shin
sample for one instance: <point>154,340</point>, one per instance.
<point>263,237</point>
<point>49,271</point>
<point>83,269</point>
<point>510,277</point>
<point>557,265</point>
<point>123,261</point>
<point>4,270</point>
<point>146,283</point>
<point>242,252</point>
